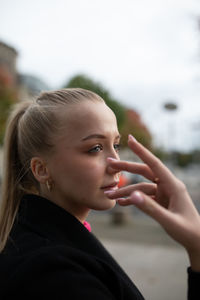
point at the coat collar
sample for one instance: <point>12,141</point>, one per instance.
<point>56,224</point>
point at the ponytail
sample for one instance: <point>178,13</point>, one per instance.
<point>12,171</point>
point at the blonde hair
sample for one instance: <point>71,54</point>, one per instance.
<point>30,129</point>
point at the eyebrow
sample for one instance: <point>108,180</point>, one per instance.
<point>99,136</point>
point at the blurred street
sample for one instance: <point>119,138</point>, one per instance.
<point>156,264</point>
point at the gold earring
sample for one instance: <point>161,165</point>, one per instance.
<point>49,185</point>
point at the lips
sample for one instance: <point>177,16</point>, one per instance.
<point>112,186</point>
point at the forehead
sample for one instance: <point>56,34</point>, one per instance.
<point>87,118</point>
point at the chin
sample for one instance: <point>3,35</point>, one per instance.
<point>109,204</point>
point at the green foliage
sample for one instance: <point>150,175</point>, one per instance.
<point>180,159</point>
<point>139,133</point>
<point>183,159</point>
<point>134,125</point>
<point>128,120</point>
<point>82,81</point>
<point>161,154</point>
<point>196,156</point>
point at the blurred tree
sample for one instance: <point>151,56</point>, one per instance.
<point>134,125</point>
<point>196,156</point>
<point>128,120</point>
<point>83,81</point>
<point>184,159</point>
<point>181,159</point>
<point>161,153</point>
<point>7,98</point>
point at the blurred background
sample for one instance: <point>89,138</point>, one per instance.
<point>143,58</point>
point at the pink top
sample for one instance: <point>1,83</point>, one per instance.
<point>87,225</point>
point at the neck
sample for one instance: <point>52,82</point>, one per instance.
<point>78,211</point>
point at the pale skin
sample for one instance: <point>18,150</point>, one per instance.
<point>165,199</point>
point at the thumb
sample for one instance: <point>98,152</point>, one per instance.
<point>148,206</point>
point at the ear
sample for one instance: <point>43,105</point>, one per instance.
<point>39,169</point>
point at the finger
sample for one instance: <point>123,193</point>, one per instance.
<point>147,188</point>
<point>127,201</point>
<point>157,167</point>
<point>135,168</point>
<point>148,206</point>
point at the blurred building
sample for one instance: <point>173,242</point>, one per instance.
<point>15,86</point>
<point>27,85</point>
<point>8,59</point>
<point>30,86</point>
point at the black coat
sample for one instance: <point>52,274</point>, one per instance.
<point>51,254</point>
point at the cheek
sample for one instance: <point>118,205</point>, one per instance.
<point>89,171</point>
<point>82,171</point>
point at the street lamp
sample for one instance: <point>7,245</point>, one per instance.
<point>170,107</point>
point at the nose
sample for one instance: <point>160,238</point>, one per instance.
<point>112,171</point>
<point>109,169</point>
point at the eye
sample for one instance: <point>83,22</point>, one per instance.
<point>117,147</point>
<point>95,149</point>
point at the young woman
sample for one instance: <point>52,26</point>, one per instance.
<point>61,161</point>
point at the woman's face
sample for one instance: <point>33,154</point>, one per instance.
<point>78,167</point>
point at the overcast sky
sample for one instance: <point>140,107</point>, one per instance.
<point>146,52</point>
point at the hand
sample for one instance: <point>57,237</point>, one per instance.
<point>165,199</point>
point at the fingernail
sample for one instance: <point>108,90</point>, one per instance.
<point>131,138</point>
<point>109,192</point>
<point>137,197</point>
<point>120,199</point>
<point>111,159</point>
